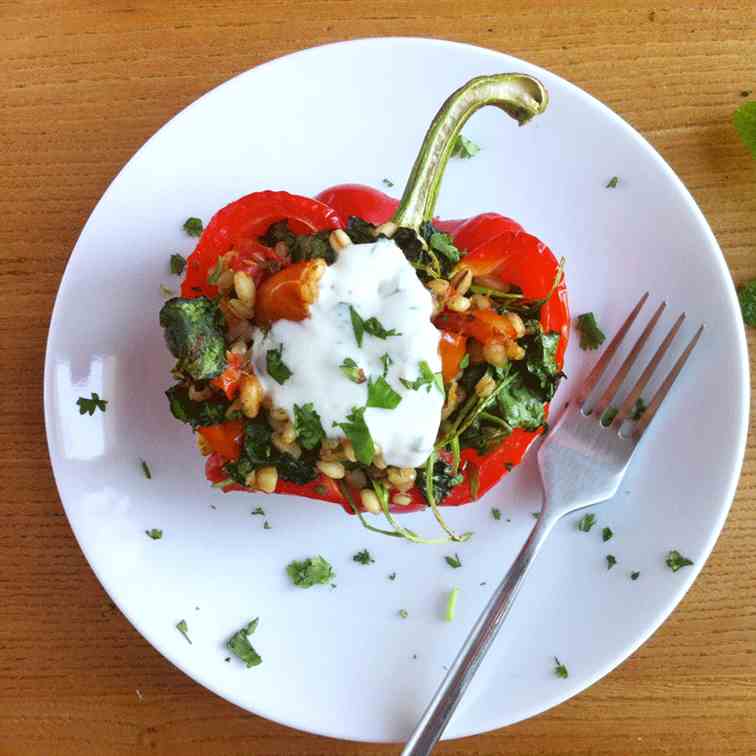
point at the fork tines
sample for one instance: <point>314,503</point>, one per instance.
<point>604,402</point>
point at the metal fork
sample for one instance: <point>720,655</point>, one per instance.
<point>582,462</point>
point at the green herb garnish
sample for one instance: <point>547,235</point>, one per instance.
<point>363,557</point>
<point>155,533</point>
<point>381,395</point>
<point>88,406</point>
<point>183,628</point>
<point>193,226</point>
<point>747,299</point>
<point>464,148</point>
<point>146,470</point>
<point>266,525</point>
<point>387,182</point>
<point>586,523</point>
<point>613,181</point>
<point>426,378</point>
<point>608,417</point>
<point>307,424</point>
<point>312,571</point>
<point>441,242</point>
<point>373,326</point>
<point>166,291</point>
<point>352,370</point>
<point>634,575</point>
<point>356,430</point>
<point>403,613</point>
<point>386,361</point>
<point>177,264</point>
<point>239,645</point>
<point>277,368</point>
<point>495,513</point>
<point>451,604</point>
<point>258,511</point>
<point>611,560</point>
<point>392,576</point>
<point>560,670</point>
<point>606,534</point>
<point>197,414</point>
<point>591,336</point>
<point>453,561</point>
<point>675,560</point>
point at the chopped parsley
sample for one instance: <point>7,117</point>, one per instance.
<point>381,395</point>
<point>441,242</point>
<point>88,406</point>
<point>352,370</point>
<point>403,613</point>
<point>747,299</point>
<point>464,148</point>
<point>675,560</point>
<point>638,409</point>
<point>363,557</point>
<point>608,417</point>
<point>606,534</point>
<point>586,523</point>
<point>356,430</point>
<point>258,511</point>
<point>166,291</point>
<point>495,513</point>
<point>560,670</point>
<point>193,226</point>
<point>451,605</point>
<point>611,560</point>
<point>634,575</point>
<point>387,182</point>
<point>426,378</point>
<point>373,326</point>
<point>177,264</point>
<point>392,576</point>
<point>238,644</point>
<point>266,525</point>
<point>613,181</point>
<point>744,120</point>
<point>312,571</point>
<point>591,336</point>
<point>155,533</point>
<point>277,368</point>
<point>183,628</point>
<point>146,470</point>
<point>453,561</point>
<point>307,424</point>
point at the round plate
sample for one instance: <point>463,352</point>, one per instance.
<point>340,661</point>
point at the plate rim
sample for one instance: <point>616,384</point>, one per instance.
<point>743,361</point>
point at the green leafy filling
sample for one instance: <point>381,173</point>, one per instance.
<point>307,424</point>
<point>300,246</point>
<point>308,572</point>
<point>277,369</point>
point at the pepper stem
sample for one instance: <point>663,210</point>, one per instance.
<point>518,95</point>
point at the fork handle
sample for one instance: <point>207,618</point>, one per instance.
<point>433,722</point>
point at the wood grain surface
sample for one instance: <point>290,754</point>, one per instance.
<point>84,85</point>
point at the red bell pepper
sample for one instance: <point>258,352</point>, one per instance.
<point>496,247</point>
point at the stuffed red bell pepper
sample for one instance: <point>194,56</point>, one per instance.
<point>353,348</point>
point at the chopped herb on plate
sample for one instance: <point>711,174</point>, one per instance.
<point>392,576</point>
<point>381,395</point>
<point>363,557</point>
<point>451,605</point>
<point>146,470</point>
<point>403,613</point>
<point>495,513</point>
<point>183,628</point>
<point>239,645</point>
<point>634,575</point>
<point>193,226</point>
<point>88,406</point>
<point>155,533</point>
<point>312,571</point>
<point>373,326</point>
<point>307,424</point>
<point>258,511</point>
<point>464,148</point>
<point>675,561</point>
<point>352,370</point>
<point>613,181</point>
<point>387,182</point>
<point>177,264</point>
<point>453,561</point>
<point>277,368</point>
<point>426,378</point>
<point>560,670</point>
<point>606,534</point>
<point>591,336</point>
<point>586,522</point>
<point>356,430</point>
<point>611,560</point>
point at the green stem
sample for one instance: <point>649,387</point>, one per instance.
<point>518,95</point>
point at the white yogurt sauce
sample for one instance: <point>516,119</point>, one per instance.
<point>377,281</point>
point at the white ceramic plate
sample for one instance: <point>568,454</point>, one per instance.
<point>340,661</point>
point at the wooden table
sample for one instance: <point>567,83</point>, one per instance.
<point>85,84</point>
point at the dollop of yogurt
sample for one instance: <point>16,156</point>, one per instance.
<point>378,282</point>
